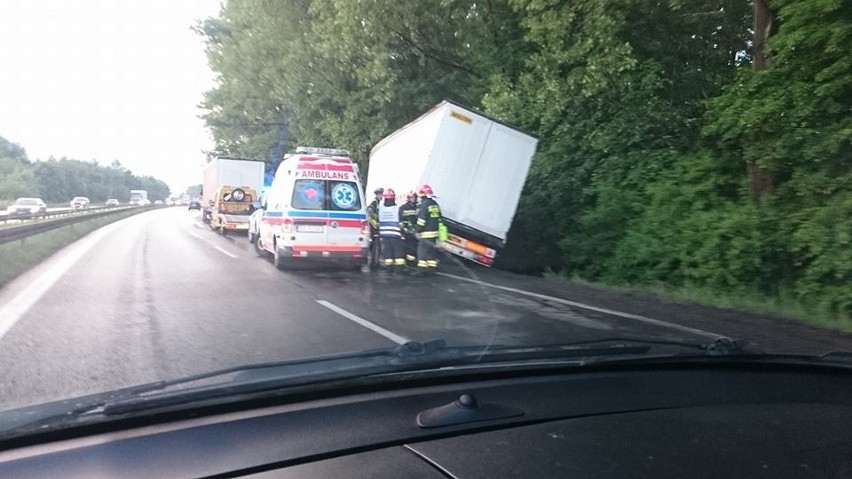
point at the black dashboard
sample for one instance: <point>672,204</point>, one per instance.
<point>727,420</point>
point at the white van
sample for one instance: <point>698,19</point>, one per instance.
<point>314,210</point>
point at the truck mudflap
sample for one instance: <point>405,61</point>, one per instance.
<point>470,250</point>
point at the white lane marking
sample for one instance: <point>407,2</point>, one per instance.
<point>221,250</point>
<point>636,317</point>
<point>363,322</point>
<point>18,306</point>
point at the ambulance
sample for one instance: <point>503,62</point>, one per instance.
<point>314,210</point>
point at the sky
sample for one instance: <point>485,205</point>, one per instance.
<point>107,80</point>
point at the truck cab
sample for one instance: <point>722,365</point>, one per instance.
<point>314,210</point>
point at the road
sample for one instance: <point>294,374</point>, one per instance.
<point>159,296</point>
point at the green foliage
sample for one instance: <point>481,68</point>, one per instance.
<point>822,243</point>
<point>57,181</point>
<point>647,113</point>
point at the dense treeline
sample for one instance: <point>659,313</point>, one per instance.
<point>57,181</point>
<point>678,145</point>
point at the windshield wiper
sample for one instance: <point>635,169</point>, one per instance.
<point>408,357</point>
<point>720,346</point>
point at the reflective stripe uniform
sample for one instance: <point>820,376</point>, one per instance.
<point>408,220</point>
<point>373,221</point>
<point>372,214</point>
<point>428,221</point>
<point>391,234</point>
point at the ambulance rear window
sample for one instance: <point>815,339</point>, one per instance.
<point>309,194</point>
<point>344,196</point>
<point>326,195</point>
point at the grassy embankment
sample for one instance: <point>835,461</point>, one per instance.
<point>19,256</point>
<point>753,303</point>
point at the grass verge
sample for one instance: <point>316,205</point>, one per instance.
<point>751,303</point>
<point>19,256</point>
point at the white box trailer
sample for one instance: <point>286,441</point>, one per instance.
<point>476,166</point>
<point>234,172</point>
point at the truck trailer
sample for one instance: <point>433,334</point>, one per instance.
<point>476,166</point>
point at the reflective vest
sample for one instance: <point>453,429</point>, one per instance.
<point>372,214</point>
<point>389,221</point>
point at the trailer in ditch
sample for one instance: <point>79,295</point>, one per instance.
<point>475,164</point>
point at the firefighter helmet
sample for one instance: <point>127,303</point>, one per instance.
<point>411,195</point>
<point>425,190</point>
<point>390,194</point>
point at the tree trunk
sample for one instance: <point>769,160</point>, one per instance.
<point>760,179</point>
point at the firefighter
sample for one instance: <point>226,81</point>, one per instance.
<point>428,224</point>
<point>408,220</point>
<point>390,232</point>
<point>373,219</point>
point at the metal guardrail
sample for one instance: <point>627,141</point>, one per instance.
<point>56,213</point>
<point>19,232</point>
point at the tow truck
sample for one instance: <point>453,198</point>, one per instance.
<point>232,208</point>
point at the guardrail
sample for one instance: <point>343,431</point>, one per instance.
<point>19,232</point>
<point>55,213</point>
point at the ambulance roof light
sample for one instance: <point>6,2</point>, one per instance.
<point>322,151</point>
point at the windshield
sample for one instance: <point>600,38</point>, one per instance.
<point>509,173</point>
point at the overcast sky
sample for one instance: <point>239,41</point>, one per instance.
<point>105,80</point>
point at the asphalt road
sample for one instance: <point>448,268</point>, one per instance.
<point>160,296</point>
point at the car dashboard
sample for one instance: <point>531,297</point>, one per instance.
<point>721,420</point>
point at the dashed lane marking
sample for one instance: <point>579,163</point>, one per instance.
<point>363,322</point>
<point>214,245</point>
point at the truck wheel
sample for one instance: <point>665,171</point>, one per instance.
<point>223,231</point>
<point>252,237</point>
<point>278,259</point>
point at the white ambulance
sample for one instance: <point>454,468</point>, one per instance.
<point>314,210</point>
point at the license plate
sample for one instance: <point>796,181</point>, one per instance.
<point>309,228</point>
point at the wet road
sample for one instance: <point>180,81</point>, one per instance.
<point>159,296</point>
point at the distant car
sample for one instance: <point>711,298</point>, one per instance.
<point>158,202</point>
<point>27,208</point>
<point>112,202</point>
<point>194,205</point>
<point>145,202</point>
<point>80,203</point>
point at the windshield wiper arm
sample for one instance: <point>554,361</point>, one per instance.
<point>271,376</point>
<point>718,347</point>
